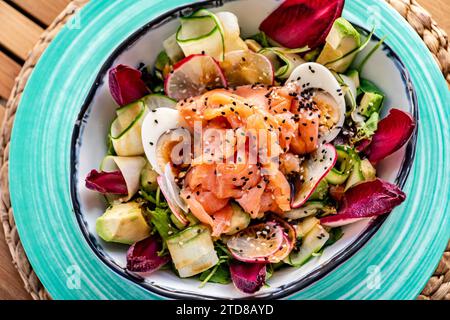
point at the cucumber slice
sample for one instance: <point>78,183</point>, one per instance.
<point>173,49</point>
<point>125,130</point>
<point>350,89</point>
<point>192,251</point>
<point>309,209</point>
<point>154,101</point>
<point>176,222</point>
<point>305,226</point>
<point>289,57</point>
<point>312,243</point>
<point>340,173</point>
<point>336,178</point>
<point>231,32</point>
<point>201,32</point>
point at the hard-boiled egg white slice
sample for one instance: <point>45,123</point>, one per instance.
<point>157,123</point>
<point>316,76</point>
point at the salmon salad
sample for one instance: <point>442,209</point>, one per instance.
<point>235,155</point>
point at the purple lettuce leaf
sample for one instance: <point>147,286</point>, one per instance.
<point>106,182</point>
<point>126,85</point>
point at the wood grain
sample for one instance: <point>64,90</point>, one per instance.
<point>43,10</point>
<point>18,34</point>
<point>440,10</point>
<point>9,69</point>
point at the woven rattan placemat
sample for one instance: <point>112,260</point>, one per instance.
<point>438,287</point>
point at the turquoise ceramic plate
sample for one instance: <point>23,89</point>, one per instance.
<point>396,262</point>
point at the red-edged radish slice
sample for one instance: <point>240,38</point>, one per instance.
<point>289,231</point>
<point>284,251</point>
<point>256,243</point>
<point>143,256</point>
<point>314,170</point>
<point>311,76</point>
<point>248,277</point>
<point>366,200</point>
<point>243,67</point>
<point>392,134</point>
<point>173,188</point>
<point>299,23</point>
<point>193,76</point>
<point>289,239</point>
<point>176,210</point>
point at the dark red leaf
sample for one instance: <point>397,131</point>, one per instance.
<point>392,134</point>
<point>299,23</point>
<point>126,85</point>
<point>106,182</point>
<point>248,277</point>
<point>143,256</point>
<point>363,145</point>
<point>366,200</point>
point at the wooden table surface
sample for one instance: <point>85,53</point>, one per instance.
<point>22,23</point>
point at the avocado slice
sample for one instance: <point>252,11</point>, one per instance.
<point>371,102</point>
<point>123,223</point>
<point>239,220</point>
<point>342,39</point>
<point>321,191</point>
<point>148,179</point>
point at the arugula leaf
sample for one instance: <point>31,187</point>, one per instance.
<point>219,274</point>
<point>261,38</point>
<point>335,235</point>
<point>369,87</point>
<point>160,219</point>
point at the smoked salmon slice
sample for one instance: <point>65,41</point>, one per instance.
<point>272,122</point>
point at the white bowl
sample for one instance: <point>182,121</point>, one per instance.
<point>384,69</point>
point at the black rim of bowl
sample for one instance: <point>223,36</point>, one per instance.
<point>282,291</point>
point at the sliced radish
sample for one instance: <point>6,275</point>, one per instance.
<point>366,200</point>
<point>244,67</point>
<point>176,210</point>
<point>256,243</point>
<point>248,277</point>
<point>283,252</point>
<point>193,76</point>
<point>173,188</point>
<point>315,76</point>
<point>156,124</point>
<point>289,239</point>
<point>299,23</point>
<point>156,100</point>
<point>315,169</point>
